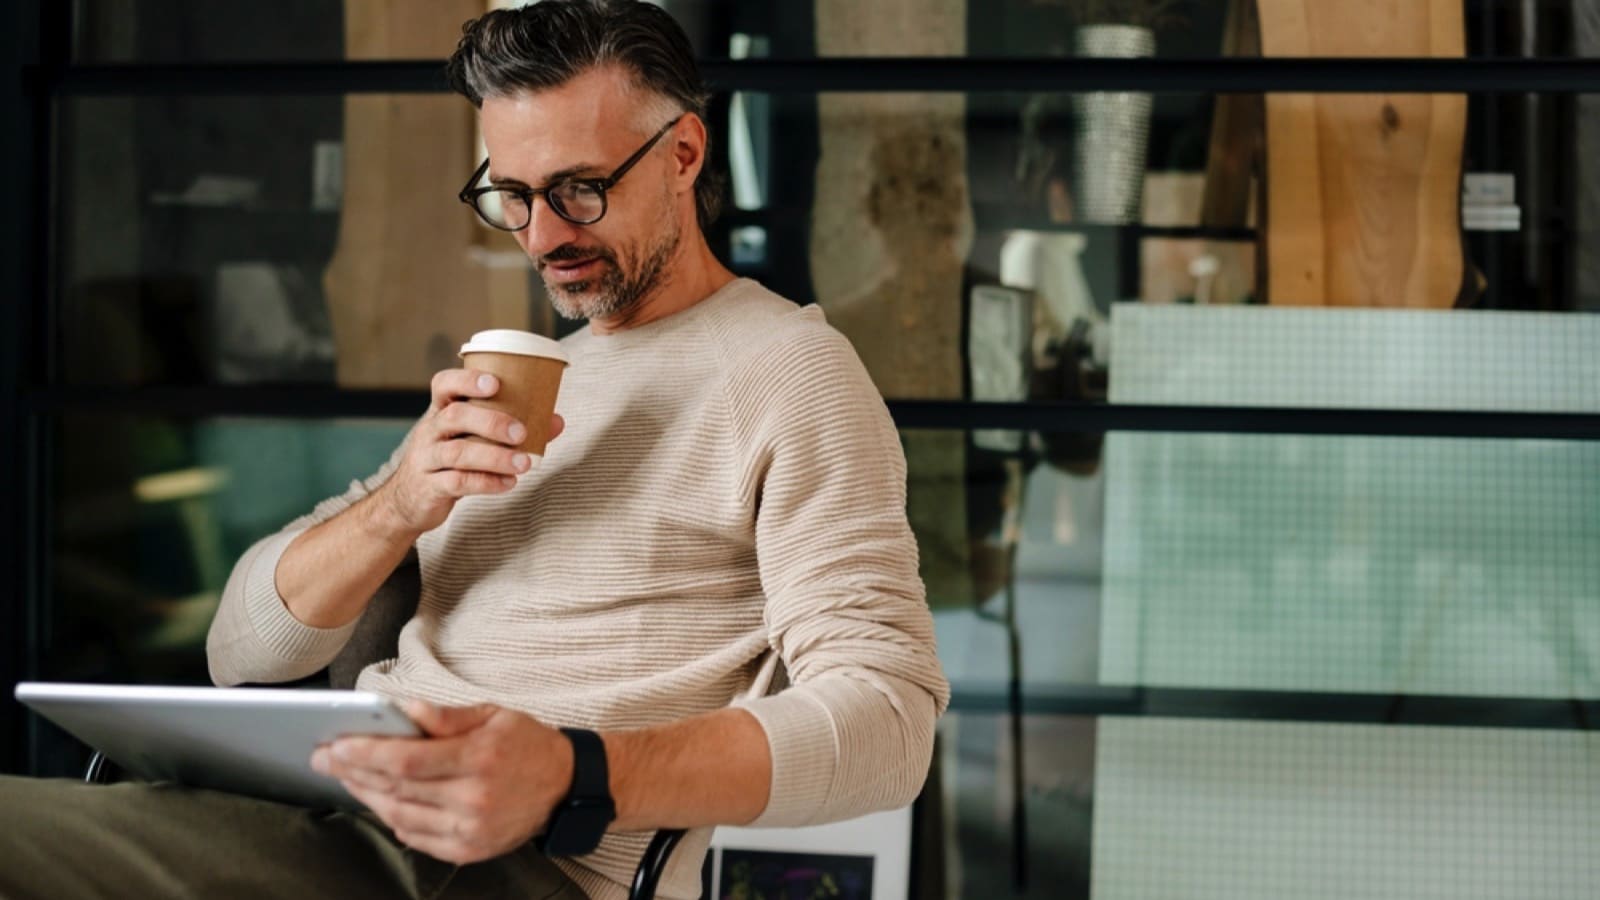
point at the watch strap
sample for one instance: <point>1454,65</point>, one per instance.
<point>590,778</point>
<point>579,821</point>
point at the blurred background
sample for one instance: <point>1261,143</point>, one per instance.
<point>1244,353</point>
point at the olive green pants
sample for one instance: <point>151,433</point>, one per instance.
<point>65,839</point>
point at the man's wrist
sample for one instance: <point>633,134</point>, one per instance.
<point>380,518</point>
<point>563,760</point>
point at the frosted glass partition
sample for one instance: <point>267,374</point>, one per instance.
<point>1269,810</point>
<point>1355,358</point>
<point>1353,564</point>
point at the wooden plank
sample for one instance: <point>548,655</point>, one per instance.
<point>1363,190</point>
<point>408,282</point>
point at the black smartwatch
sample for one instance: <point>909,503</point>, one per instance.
<point>579,822</point>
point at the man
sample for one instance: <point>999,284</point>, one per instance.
<point>727,495</point>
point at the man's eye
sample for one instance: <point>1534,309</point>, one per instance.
<point>574,190</point>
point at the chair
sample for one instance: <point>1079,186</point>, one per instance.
<point>377,637</point>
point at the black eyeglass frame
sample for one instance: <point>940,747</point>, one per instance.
<point>469,194</point>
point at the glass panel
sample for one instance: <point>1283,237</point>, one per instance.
<point>970,246</point>
<point>278,239</point>
<point>1362,565</point>
<point>310,30</point>
<point>1269,809</point>
<point>1124,807</point>
<point>1339,565</point>
<point>150,515</point>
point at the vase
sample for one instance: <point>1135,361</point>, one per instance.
<point>1113,130</point>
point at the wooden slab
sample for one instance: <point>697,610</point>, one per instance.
<point>1363,190</point>
<point>414,274</point>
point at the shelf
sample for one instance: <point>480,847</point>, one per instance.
<point>322,401</point>
<point>998,217</point>
<point>897,74</point>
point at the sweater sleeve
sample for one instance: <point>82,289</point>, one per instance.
<point>254,639</point>
<point>845,608</point>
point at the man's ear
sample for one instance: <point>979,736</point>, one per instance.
<point>688,150</point>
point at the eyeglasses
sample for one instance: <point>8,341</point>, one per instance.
<point>581,201</point>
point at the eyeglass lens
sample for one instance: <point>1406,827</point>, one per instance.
<point>574,201</point>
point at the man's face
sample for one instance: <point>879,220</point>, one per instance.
<point>585,129</point>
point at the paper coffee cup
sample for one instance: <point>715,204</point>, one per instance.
<point>529,367</point>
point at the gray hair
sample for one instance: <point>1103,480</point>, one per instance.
<point>547,44</point>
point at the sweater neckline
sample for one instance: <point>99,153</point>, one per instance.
<point>586,338</point>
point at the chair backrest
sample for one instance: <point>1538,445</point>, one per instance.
<point>377,635</point>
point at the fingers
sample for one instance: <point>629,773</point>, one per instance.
<point>442,793</point>
<point>477,456</point>
<point>440,818</point>
<point>448,721</point>
<point>444,849</point>
<point>374,782</point>
<point>392,758</point>
<point>456,484</point>
<point>401,814</point>
<point>461,384</point>
<point>479,421</point>
<point>446,793</point>
<point>457,418</point>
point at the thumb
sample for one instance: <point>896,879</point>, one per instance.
<point>448,721</point>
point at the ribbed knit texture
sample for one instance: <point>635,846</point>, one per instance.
<point>729,484</point>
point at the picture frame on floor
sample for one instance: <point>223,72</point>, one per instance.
<point>867,858</point>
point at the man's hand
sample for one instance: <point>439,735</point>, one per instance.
<point>456,450</point>
<point>482,783</point>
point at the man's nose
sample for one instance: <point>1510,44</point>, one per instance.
<point>546,231</point>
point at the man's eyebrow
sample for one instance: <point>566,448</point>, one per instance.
<point>552,178</point>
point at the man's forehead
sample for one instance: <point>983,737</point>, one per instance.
<point>587,120</point>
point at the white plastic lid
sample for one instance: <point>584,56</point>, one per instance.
<point>509,340</point>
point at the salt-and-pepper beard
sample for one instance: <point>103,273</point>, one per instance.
<point>616,290</point>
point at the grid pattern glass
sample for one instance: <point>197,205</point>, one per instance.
<point>1355,358</point>
<point>1228,810</point>
<point>1350,564</point>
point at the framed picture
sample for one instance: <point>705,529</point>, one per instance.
<point>868,858</point>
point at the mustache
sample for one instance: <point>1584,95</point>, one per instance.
<point>573,253</point>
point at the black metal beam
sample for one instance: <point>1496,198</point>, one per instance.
<point>15,226</point>
<point>1082,418</point>
<point>36,36</point>
<point>354,77</point>
<point>313,402</point>
<point>1287,706</point>
<point>310,402</point>
<point>898,74</point>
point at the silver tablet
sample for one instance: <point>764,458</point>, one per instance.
<point>255,741</point>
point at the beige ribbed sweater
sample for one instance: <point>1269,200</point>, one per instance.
<point>729,485</point>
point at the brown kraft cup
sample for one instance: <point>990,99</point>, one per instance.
<point>529,368</point>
